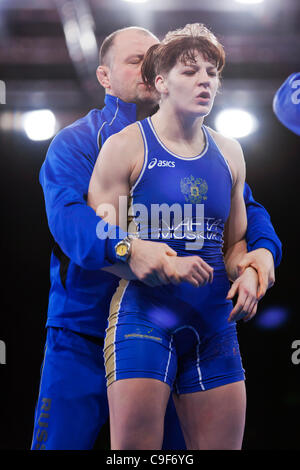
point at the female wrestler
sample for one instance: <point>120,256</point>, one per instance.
<point>180,338</point>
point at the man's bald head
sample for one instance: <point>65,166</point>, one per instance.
<point>106,49</point>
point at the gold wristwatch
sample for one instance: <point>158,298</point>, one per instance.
<point>123,249</point>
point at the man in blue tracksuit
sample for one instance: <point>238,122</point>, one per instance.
<point>72,403</point>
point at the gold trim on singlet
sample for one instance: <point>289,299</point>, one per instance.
<point>115,304</point>
<point>109,343</point>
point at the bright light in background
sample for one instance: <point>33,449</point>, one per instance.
<point>249,1</point>
<point>136,1</point>
<point>235,123</point>
<point>40,124</point>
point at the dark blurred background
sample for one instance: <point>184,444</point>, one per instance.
<point>48,57</point>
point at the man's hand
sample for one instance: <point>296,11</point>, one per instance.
<point>193,269</point>
<point>245,286</point>
<point>261,260</point>
<point>149,262</point>
<point>157,264</point>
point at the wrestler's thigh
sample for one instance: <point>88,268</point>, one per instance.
<point>137,408</point>
<point>215,418</point>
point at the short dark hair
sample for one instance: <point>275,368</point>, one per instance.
<point>106,46</point>
<point>182,45</point>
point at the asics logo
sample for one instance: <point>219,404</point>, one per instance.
<point>164,163</point>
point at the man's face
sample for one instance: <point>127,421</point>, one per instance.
<point>124,69</point>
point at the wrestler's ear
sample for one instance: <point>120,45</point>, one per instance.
<point>103,75</point>
<point>161,85</point>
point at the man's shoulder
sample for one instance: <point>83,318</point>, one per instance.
<point>82,132</point>
<point>90,124</point>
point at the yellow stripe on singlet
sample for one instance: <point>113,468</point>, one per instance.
<point>109,343</point>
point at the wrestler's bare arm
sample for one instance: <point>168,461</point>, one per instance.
<point>235,228</point>
<point>236,225</point>
<point>244,286</point>
<point>115,167</point>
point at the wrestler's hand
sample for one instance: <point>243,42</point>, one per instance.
<point>151,263</point>
<point>245,287</point>
<point>192,269</point>
<point>261,260</point>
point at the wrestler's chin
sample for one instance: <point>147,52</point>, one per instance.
<point>202,110</point>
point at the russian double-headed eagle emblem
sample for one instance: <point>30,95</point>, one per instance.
<point>194,189</point>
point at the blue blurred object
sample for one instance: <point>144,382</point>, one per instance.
<point>272,317</point>
<point>286,103</point>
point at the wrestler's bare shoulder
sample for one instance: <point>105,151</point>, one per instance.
<point>128,138</point>
<point>226,144</point>
<point>123,150</point>
<point>231,151</point>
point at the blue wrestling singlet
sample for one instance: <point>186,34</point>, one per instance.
<point>177,334</point>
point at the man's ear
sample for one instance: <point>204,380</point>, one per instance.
<point>161,85</point>
<point>102,74</point>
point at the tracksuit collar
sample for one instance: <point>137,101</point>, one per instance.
<point>126,111</point>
